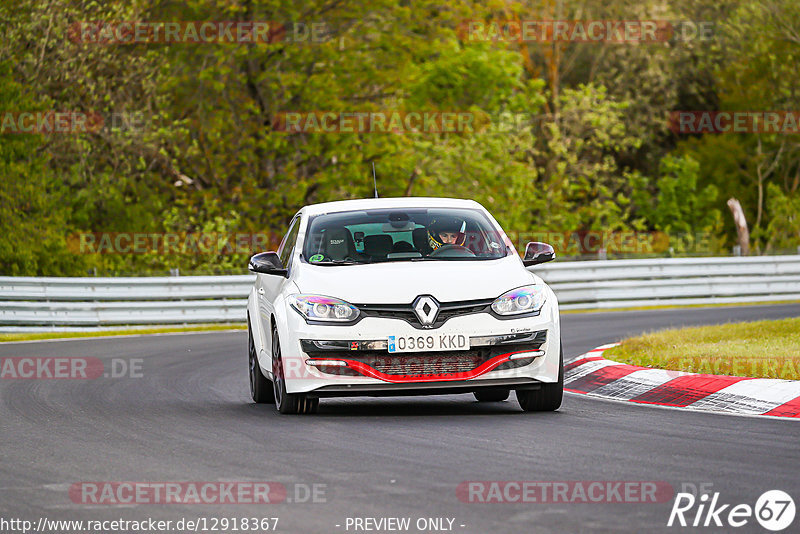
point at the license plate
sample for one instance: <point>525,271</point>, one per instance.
<point>428,343</point>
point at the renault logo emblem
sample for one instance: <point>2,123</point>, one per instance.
<point>426,309</point>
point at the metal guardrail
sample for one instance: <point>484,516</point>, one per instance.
<point>94,302</point>
<point>51,303</point>
<point>657,282</point>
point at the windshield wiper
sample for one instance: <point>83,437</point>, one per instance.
<point>454,258</point>
<point>338,262</point>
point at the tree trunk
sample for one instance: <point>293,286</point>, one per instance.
<point>411,179</point>
<point>742,232</point>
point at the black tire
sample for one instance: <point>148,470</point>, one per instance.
<point>491,395</point>
<point>287,403</point>
<point>260,386</point>
<point>548,397</point>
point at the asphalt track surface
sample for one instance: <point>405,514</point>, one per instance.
<point>189,418</point>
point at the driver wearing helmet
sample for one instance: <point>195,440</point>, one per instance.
<point>447,231</point>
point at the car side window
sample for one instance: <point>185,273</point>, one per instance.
<point>289,241</point>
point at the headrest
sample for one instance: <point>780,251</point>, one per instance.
<point>402,246</point>
<point>378,245</point>
<point>338,243</point>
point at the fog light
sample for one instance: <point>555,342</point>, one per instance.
<point>339,363</point>
<point>531,354</point>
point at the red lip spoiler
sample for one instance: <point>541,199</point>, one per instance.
<point>484,368</point>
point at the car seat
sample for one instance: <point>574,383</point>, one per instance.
<point>378,246</point>
<point>338,244</point>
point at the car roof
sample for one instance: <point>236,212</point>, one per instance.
<point>379,203</point>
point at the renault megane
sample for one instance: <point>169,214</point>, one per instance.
<point>401,296</point>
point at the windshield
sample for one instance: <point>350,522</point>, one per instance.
<point>411,234</point>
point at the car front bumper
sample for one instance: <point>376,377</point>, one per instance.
<point>333,360</point>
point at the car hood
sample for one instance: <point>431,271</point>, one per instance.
<point>402,282</point>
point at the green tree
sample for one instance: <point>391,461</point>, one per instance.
<point>678,207</point>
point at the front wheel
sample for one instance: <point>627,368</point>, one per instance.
<point>548,397</point>
<point>260,386</point>
<point>287,402</point>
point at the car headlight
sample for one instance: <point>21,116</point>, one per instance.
<point>527,299</point>
<point>321,308</point>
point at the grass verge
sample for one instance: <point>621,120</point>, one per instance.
<point>760,349</point>
<point>34,336</point>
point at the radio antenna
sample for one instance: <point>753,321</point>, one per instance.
<point>374,180</point>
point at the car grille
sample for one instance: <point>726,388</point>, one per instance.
<point>409,364</point>
<point>405,312</point>
<point>426,364</point>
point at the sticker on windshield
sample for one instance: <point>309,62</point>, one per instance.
<point>316,257</point>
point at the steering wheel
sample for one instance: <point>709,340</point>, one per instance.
<point>452,251</point>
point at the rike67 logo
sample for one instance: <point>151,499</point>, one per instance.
<point>774,510</point>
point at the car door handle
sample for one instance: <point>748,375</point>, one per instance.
<point>260,290</point>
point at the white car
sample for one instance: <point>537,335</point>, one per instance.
<point>401,296</point>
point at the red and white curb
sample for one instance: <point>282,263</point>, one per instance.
<point>593,375</point>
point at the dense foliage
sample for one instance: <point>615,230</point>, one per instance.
<point>577,141</point>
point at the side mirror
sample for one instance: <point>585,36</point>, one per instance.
<point>536,252</point>
<point>267,263</point>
